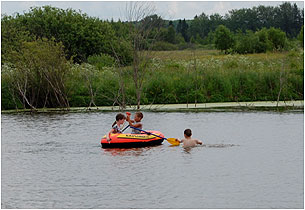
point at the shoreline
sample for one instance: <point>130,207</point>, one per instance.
<point>223,106</point>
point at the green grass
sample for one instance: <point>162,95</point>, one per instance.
<point>198,76</point>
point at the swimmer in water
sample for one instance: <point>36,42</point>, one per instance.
<point>188,141</point>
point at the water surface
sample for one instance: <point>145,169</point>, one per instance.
<point>249,160</point>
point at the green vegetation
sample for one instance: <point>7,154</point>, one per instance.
<point>82,36</point>
<point>199,78</point>
<point>63,58</point>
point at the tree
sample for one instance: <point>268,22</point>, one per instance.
<point>243,19</point>
<point>277,37</point>
<point>289,19</point>
<point>81,35</point>
<point>215,21</point>
<point>40,70</point>
<point>171,35</point>
<point>12,36</point>
<point>264,44</point>
<point>179,26</point>
<point>184,30</point>
<point>265,16</point>
<point>200,26</point>
<point>223,38</point>
<point>301,36</point>
<point>153,21</point>
<point>141,41</point>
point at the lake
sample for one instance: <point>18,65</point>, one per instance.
<point>249,159</point>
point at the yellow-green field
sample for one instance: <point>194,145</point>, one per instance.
<point>205,54</point>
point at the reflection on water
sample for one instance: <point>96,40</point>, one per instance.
<point>125,151</point>
<point>248,160</point>
<point>141,150</point>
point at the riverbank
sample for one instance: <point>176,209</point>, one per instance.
<point>204,78</point>
<point>226,106</point>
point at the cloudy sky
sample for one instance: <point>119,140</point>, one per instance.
<point>166,9</point>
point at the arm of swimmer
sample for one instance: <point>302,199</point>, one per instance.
<point>198,141</point>
<point>181,141</point>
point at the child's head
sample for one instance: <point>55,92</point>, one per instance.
<point>188,132</point>
<point>120,118</point>
<point>138,116</point>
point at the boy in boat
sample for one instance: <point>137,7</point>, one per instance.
<point>188,141</point>
<point>136,122</point>
<point>116,126</point>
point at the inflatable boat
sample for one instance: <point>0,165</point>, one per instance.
<point>127,140</point>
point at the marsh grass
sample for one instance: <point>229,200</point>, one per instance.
<point>203,77</point>
<point>199,76</point>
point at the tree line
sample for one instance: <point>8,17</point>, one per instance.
<point>84,36</point>
<point>286,18</point>
<point>42,49</point>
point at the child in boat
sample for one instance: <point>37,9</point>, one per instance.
<point>136,122</point>
<point>116,126</point>
<point>188,141</point>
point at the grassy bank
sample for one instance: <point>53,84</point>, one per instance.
<point>182,77</point>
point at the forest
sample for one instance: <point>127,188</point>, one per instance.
<point>55,58</point>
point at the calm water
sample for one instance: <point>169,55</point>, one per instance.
<point>249,160</point>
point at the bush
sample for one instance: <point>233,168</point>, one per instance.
<point>261,41</point>
<point>223,38</point>
<point>213,79</point>
<point>164,46</point>
<point>264,43</point>
<point>39,73</point>
<point>81,35</point>
<point>101,60</point>
<point>277,38</point>
<point>247,43</point>
<point>8,95</point>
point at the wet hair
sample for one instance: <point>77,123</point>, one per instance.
<point>188,132</point>
<point>118,117</point>
<point>139,114</point>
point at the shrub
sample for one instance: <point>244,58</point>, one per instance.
<point>101,60</point>
<point>277,38</point>
<point>264,44</point>
<point>39,73</point>
<point>164,46</point>
<point>246,43</point>
<point>223,38</point>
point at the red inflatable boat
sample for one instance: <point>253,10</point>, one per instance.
<point>125,140</point>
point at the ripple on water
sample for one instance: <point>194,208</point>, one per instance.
<point>249,160</point>
<point>220,145</point>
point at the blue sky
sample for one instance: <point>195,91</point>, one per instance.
<point>166,9</point>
